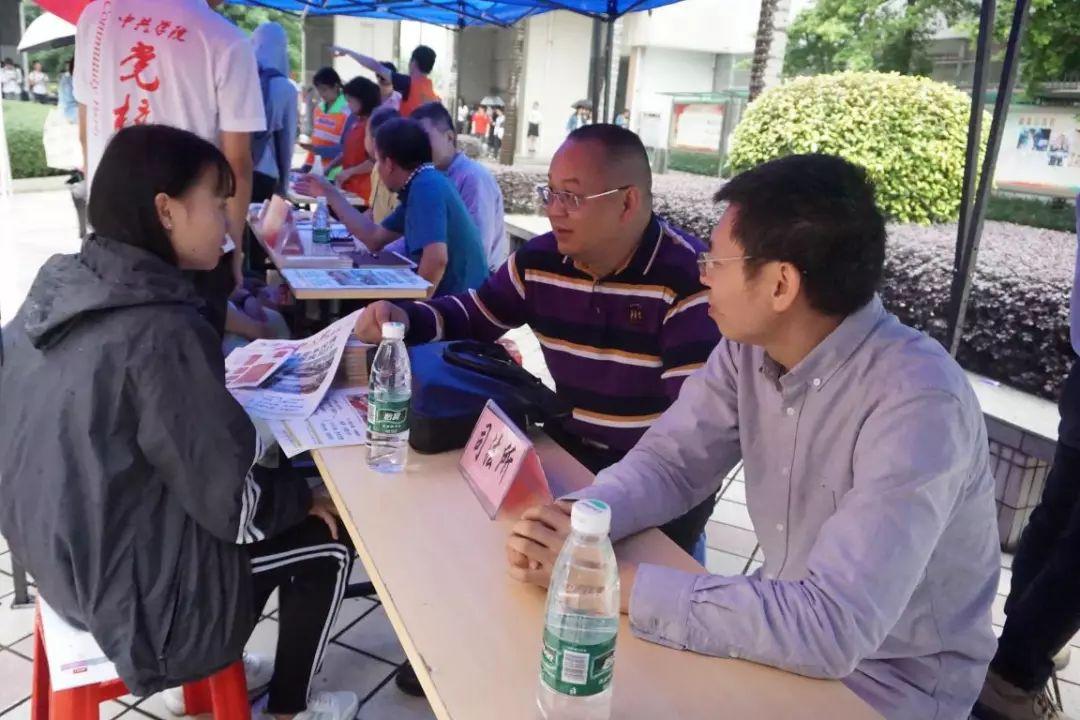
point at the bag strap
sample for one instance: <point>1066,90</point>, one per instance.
<point>492,360</point>
<point>489,359</point>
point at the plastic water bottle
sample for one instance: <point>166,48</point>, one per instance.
<point>320,223</point>
<point>389,389</point>
<point>578,655</point>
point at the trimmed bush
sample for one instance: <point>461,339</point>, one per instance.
<point>23,125</point>
<point>910,133</point>
<point>1017,328</point>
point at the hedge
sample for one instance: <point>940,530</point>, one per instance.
<point>1017,328</point>
<point>910,133</point>
<point>23,125</point>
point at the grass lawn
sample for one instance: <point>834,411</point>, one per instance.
<point>1052,215</point>
<point>23,123</point>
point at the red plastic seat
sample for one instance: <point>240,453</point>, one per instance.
<point>224,694</point>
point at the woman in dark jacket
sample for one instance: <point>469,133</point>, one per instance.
<point>130,485</point>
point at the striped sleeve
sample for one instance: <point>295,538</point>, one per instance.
<point>483,314</point>
<point>687,336</point>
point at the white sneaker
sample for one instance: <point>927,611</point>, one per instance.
<point>258,669</point>
<point>330,706</point>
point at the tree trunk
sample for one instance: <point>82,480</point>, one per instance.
<point>517,69</point>
<point>762,46</point>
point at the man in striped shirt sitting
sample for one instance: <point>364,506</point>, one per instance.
<point>613,295</point>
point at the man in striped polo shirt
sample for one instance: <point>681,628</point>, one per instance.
<point>613,295</point>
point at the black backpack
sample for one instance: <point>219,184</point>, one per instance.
<point>451,382</point>
<point>259,140</point>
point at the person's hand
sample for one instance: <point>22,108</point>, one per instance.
<point>536,540</point>
<point>323,508</point>
<point>312,186</point>
<point>339,51</point>
<point>253,308</point>
<point>343,176</point>
<point>369,324</point>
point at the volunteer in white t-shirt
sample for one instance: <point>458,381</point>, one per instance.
<point>178,63</point>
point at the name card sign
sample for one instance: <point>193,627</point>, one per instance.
<point>501,465</point>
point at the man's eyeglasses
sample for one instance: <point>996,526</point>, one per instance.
<point>705,261</point>
<point>570,201</point>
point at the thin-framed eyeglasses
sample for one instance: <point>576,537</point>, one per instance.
<point>705,261</point>
<point>570,201</point>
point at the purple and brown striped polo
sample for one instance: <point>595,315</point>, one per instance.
<point>618,348</point>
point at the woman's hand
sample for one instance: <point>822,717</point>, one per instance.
<point>313,186</point>
<point>323,508</point>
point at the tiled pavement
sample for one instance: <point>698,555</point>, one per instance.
<point>364,652</point>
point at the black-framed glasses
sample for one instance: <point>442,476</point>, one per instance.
<point>570,201</point>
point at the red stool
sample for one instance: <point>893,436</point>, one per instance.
<point>224,693</point>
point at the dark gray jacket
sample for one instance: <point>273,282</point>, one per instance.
<point>126,479</point>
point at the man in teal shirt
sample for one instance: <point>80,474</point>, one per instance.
<point>440,235</point>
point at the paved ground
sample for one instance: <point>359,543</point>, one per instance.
<point>364,652</point>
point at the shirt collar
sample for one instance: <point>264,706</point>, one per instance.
<point>454,166</point>
<point>643,257</point>
<point>817,368</point>
<point>404,191</point>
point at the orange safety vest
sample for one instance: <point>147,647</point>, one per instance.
<point>327,126</point>
<point>420,91</point>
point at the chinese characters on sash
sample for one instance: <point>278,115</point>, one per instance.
<point>501,465</point>
<point>136,72</point>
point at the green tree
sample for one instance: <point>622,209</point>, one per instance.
<point>1049,50</point>
<point>861,35</point>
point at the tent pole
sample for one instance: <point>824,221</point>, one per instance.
<point>594,76</point>
<point>609,116</point>
<point>968,243</point>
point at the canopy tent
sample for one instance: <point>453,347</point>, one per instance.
<point>454,13</point>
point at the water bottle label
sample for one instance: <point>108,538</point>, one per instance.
<point>388,417</point>
<point>320,235</point>
<point>579,670</point>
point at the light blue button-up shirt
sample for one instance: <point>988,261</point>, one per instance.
<point>869,485</point>
<point>482,196</point>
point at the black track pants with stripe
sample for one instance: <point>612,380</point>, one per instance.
<point>311,571</point>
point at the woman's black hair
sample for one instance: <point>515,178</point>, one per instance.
<point>366,92</point>
<point>138,163</point>
<point>380,117</point>
<point>327,77</point>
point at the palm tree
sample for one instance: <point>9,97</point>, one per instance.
<point>762,45</point>
<point>510,122</point>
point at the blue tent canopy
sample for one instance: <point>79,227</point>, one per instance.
<point>458,13</point>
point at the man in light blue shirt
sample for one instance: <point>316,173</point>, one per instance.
<point>865,455</point>
<point>474,182</point>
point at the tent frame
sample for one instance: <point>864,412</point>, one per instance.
<point>973,200</point>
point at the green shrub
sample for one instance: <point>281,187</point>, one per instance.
<point>699,163</point>
<point>1056,214</point>
<point>23,124</point>
<point>910,133</point>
